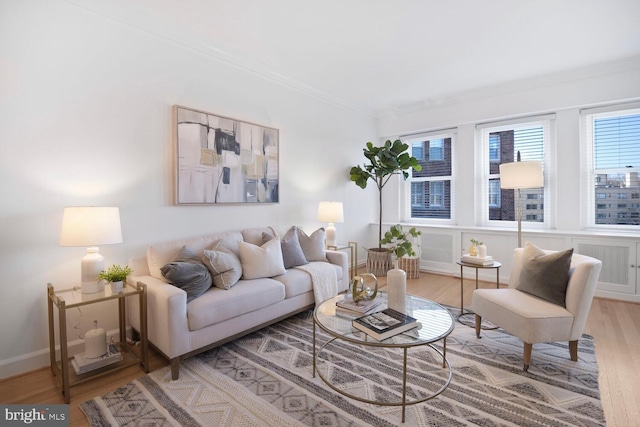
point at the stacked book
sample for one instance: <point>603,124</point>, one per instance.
<point>470,259</point>
<point>348,306</point>
<point>384,324</point>
<point>82,364</point>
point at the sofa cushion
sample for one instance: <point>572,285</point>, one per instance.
<point>192,277</point>
<point>313,246</point>
<point>217,305</point>
<point>224,266</point>
<point>545,275</point>
<point>261,261</point>
<point>297,281</point>
<point>292,255</point>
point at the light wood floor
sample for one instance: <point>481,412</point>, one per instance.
<point>615,326</point>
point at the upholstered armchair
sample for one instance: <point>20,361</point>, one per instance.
<point>548,298</point>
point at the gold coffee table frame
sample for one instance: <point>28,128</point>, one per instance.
<point>437,324</point>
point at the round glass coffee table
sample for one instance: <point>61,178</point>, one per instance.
<point>436,324</point>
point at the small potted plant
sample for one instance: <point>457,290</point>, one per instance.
<point>115,275</point>
<point>477,248</point>
<point>399,241</point>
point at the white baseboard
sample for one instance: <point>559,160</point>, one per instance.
<point>40,358</point>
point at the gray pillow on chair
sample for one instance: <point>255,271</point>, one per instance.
<point>545,276</point>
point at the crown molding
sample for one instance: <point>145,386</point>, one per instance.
<point>551,79</point>
<point>140,20</point>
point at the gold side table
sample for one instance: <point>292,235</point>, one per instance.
<point>353,249</point>
<point>71,298</point>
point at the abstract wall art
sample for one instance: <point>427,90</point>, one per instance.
<point>224,160</point>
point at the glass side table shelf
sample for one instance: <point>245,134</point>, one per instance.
<point>353,249</point>
<point>72,298</point>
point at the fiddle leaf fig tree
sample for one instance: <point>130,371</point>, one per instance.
<point>390,159</point>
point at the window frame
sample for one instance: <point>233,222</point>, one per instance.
<point>405,204</point>
<point>590,197</point>
<point>483,175</point>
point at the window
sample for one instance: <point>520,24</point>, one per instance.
<point>494,193</point>
<point>436,194</point>
<point>494,147</point>
<point>417,151</point>
<point>427,194</point>
<point>500,143</point>
<point>436,149</point>
<point>612,139</point>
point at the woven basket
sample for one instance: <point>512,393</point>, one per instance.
<point>411,266</point>
<point>378,262</point>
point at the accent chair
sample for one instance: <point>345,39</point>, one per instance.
<point>548,298</point>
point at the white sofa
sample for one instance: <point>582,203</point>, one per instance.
<point>179,329</point>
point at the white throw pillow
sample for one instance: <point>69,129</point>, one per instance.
<point>261,261</point>
<point>313,246</point>
<point>224,266</point>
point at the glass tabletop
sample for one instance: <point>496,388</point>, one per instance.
<point>436,322</point>
<point>74,297</point>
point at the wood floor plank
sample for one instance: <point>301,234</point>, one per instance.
<point>615,326</point>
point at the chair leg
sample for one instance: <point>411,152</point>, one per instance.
<point>527,356</point>
<point>573,350</point>
<point>478,325</point>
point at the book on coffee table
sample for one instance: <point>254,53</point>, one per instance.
<point>384,324</point>
<point>349,306</point>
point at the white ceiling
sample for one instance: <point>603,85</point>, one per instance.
<point>380,56</point>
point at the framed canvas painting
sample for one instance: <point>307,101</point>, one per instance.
<point>224,160</point>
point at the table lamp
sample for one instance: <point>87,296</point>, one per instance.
<point>91,226</point>
<point>518,175</point>
<point>331,212</point>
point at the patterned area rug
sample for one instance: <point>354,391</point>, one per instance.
<point>265,379</point>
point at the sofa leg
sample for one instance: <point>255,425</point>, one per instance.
<point>527,356</point>
<point>573,350</point>
<point>175,368</point>
<point>478,325</point>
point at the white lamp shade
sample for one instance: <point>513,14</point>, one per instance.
<point>330,212</point>
<point>521,175</point>
<point>90,226</point>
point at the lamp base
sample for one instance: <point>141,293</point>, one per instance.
<point>92,265</point>
<point>332,239</point>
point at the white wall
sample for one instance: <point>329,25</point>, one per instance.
<point>85,119</point>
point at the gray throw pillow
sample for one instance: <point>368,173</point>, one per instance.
<point>224,266</point>
<point>313,246</point>
<point>292,255</point>
<point>192,277</point>
<point>545,276</point>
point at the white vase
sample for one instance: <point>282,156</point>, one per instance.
<point>116,287</point>
<point>482,251</point>
<point>397,289</point>
<point>95,342</point>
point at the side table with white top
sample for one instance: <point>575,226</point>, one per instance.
<point>496,265</point>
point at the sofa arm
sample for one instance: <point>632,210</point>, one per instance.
<point>168,328</point>
<point>342,260</point>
